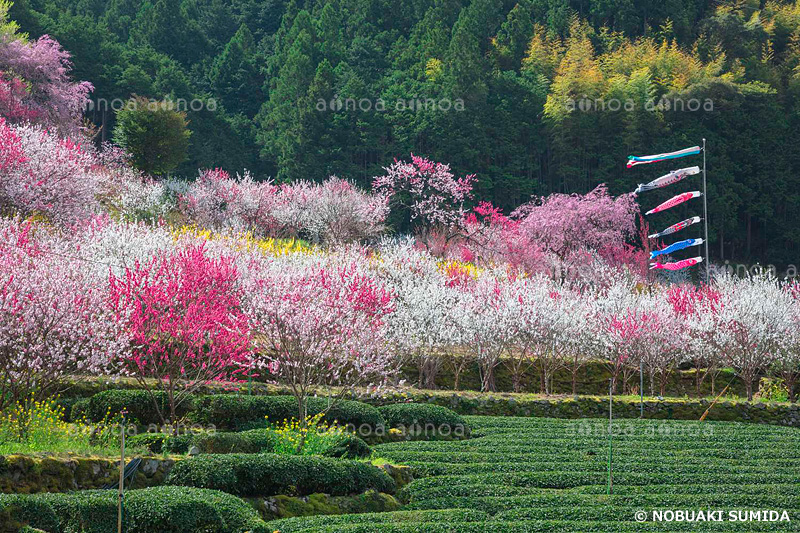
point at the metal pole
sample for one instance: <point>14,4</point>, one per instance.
<point>121,474</point>
<point>705,214</point>
<point>641,388</point>
<point>610,402</point>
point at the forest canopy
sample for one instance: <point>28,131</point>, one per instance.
<point>522,94</point>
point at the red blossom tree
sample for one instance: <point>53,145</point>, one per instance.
<point>182,313</point>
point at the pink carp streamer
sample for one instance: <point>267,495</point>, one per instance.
<point>675,200</point>
<point>677,265</point>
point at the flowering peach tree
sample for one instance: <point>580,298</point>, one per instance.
<point>318,326</point>
<point>53,318</point>
<point>182,315</point>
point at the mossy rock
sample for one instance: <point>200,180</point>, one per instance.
<point>402,475</point>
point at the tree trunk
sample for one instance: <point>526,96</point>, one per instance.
<point>748,383</point>
<point>516,380</point>
<point>574,382</point>
<point>456,376</point>
<point>487,381</point>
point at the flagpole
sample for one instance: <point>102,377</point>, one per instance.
<point>705,214</point>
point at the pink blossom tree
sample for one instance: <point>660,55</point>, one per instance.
<point>332,212</point>
<point>319,326</point>
<point>53,317</point>
<point>427,193</point>
<point>569,225</point>
<point>217,201</point>
<point>697,311</point>
<point>35,84</point>
<point>46,174</point>
<point>183,318</point>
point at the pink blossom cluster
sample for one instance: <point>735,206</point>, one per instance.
<point>320,325</point>
<point>54,319</point>
<point>334,211</point>
<point>429,191</point>
<point>35,84</point>
<point>45,174</point>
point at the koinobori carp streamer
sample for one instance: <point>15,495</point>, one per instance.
<point>668,179</point>
<point>675,200</point>
<point>634,160</point>
<point>677,265</point>
<point>675,228</point>
<point>674,247</point>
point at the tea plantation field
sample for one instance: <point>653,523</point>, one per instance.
<point>534,474</point>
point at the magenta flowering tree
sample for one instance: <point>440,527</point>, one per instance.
<point>182,314</point>
<point>427,192</point>
<point>35,84</point>
<point>53,317</point>
<point>12,155</point>
<point>13,95</point>
<point>697,310</point>
<point>320,326</point>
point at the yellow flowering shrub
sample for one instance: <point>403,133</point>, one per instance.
<point>314,439</point>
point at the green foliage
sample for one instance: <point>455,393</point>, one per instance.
<point>154,133</point>
<point>138,404</point>
<point>411,414</point>
<point>270,474</point>
<point>253,441</point>
<point>772,390</point>
<point>160,509</point>
<point>348,447</point>
<point>34,426</point>
<point>228,411</point>
<point>292,525</point>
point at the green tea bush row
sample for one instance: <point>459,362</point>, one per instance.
<point>547,526</point>
<point>154,510</point>
<point>493,505</point>
<point>223,411</point>
<point>270,474</point>
<point>230,411</point>
<point>253,441</point>
<point>422,414</point>
<point>378,520</point>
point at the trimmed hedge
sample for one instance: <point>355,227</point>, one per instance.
<point>423,414</point>
<point>234,412</point>
<point>270,474</point>
<point>349,447</point>
<point>252,441</point>
<point>138,404</point>
<point>154,510</point>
